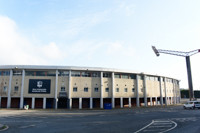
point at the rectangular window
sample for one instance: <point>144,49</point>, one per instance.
<point>4,88</point>
<point>40,73</point>
<point>107,75</point>
<point>140,77</point>
<point>75,89</point>
<point>125,89</point>
<point>107,89</point>
<point>133,76</point>
<point>95,74</point>
<point>86,74</point>
<point>156,78</point>
<point>133,89</point>
<point>125,76</point>
<point>63,73</point>
<point>62,89</point>
<point>16,88</point>
<point>141,89</point>
<point>85,89</point>
<point>96,89</point>
<point>76,74</point>
<point>17,73</point>
<point>117,89</point>
<point>117,76</point>
<point>4,73</point>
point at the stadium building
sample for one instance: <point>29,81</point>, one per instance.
<point>83,87</point>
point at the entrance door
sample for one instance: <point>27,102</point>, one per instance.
<point>62,102</point>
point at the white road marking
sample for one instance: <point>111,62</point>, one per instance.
<point>158,126</point>
<point>145,127</point>
<point>27,126</point>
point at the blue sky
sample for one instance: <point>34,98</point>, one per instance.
<point>102,33</point>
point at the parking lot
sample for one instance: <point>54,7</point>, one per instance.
<point>144,119</point>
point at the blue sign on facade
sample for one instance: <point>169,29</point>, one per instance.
<point>40,86</point>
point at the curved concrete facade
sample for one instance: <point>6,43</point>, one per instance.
<point>83,87</point>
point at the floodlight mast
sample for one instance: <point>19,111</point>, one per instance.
<point>187,56</point>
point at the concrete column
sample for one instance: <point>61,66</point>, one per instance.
<point>171,99</point>
<point>145,91</point>
<point>151,101</point>
<point>177,94</point>
<point>121,102</point>
<point>101,99</point>
<point>91,103</point>
<point>165,87</point>
<point>0,101</point>
<point>129,102</point>
<point>113,90</point>
<point>137,91</point>
<point>80,103</point>
<point>174,93</point>
<point>167,100</point>
<point>22,90</point>
<point>69,92</point>
<point>161,97</point>
<point>101,103</point>
<point>70,103</point>
<point>9,89</point>
<point>44,102</point>
<point>56,91</point>
<point>33,102</point>
<point>156,100</point>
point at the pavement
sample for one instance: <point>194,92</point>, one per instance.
<point>128,120</point>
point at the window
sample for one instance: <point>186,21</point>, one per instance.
<point>86,74</point>
<point>133,89</point>
<point>125,89</point>
<point>62,88</point>
<point>96,89</point>
<point>63,73</point>
<point>125,76</point>
<point>107,89</point>
<point>75,89</point>
<point>40,73</point>
<point>141,89</point>
<point>17,73</point>
<point>95,74</point>
<point>107,75</point>
<point>85,89</point>
<point>4,73</point>
<point>140,77</point>
<point>117,76</point>
<point>16,88</point>
<point>76,74</point>
<point>133,76</point>
<point>5,88</point>
<point>117,89</point>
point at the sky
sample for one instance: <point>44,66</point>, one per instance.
<point>102,33</point>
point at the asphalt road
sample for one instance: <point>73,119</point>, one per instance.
<point>172,119</point>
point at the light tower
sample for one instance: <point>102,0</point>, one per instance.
<point>187,56</point>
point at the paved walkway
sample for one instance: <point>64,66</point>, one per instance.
<point>1,126</point>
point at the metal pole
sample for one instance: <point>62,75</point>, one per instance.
<point>191,92</point>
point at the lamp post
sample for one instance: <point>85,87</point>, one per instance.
<point>187,57</point>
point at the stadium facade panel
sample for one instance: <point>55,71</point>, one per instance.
<point>83,87</point>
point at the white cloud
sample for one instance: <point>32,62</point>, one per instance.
<point>126,8</point>
<point>17,49</point>
<point>120,49</point>
<point>52,51</point>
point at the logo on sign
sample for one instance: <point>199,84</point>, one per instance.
<point>39,84</point>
